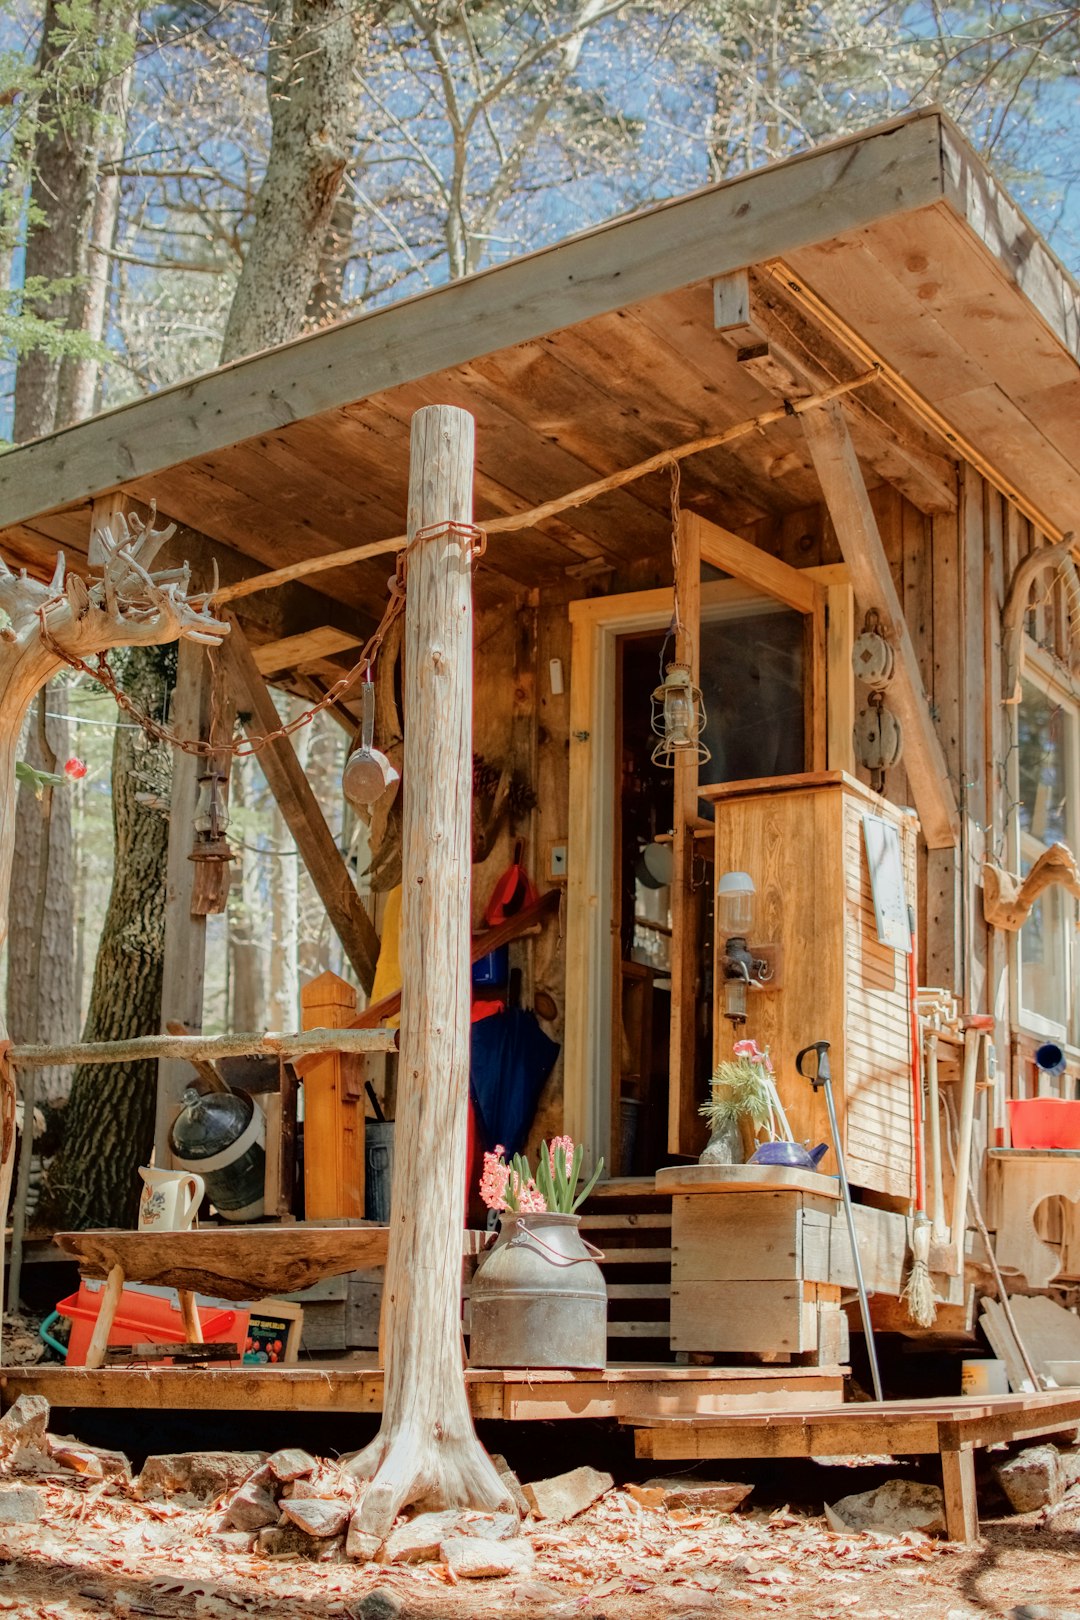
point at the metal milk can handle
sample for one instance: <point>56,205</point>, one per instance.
<point>523,1237</point>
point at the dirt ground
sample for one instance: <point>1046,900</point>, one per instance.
<point>98,1551</point>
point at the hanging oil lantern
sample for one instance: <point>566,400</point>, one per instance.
<point>678,719</point>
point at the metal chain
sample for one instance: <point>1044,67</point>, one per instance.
<point>102,672</point>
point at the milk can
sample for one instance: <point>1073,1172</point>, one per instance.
<point>539,1297</point>
<point>221,1135</point>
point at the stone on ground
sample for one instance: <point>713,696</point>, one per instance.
<point>289,1542</point>
<point>564,1496</point>
<point>1034,1478</point>
<point>512,1483</point>
<point>252,1507</point>
<point>475,1558</point>
<point>23,1440</point>
<point>418,1540</point>
<point>92,1462</point>
<point>715,1495</point>
<point>291,1463</point>
<point>202,1476</point>
<point>231,1541</point>
<point>20,1504</point>
<point>361,1544</point>
<point>895,1507</point>
<point>316,1516</point>
<point>380,1604</point>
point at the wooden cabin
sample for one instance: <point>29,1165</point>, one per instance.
<point>881,356</point>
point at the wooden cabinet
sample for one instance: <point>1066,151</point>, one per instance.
<point>801,839</point>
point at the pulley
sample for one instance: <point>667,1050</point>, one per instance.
<point>872,657</point>
<point>879,740</point>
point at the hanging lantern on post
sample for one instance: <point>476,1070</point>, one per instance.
<point>211,851</point>
<point>678,719</point>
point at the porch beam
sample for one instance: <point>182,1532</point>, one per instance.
<point>302,812</point>
<point>848,504</point>
<point>791,355</point>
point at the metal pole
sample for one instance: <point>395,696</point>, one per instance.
<point>822,1080</point>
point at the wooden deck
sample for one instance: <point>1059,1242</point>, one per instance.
<point>954,1429</point>
<point>627,1391</point>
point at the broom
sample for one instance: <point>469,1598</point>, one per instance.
<point>918,1290</point>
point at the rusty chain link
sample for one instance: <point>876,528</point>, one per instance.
<point>102,672</point>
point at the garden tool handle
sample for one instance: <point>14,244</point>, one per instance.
<point>822,1072</point>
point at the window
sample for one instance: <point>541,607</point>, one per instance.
<point>1048,754</point>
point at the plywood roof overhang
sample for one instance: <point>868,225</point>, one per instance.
<point>595,353</point>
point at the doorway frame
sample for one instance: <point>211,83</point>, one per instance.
<point>596,624</point>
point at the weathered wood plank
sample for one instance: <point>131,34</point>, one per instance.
<point>303,813</point>
<point>845,493</point>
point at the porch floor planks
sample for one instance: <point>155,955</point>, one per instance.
<point>626,1391</point>
<point>952,1428</point>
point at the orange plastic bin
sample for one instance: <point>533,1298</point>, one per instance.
<point>143,1318</point>
<point>1044,1122</point>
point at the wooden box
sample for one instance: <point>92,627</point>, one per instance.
<point>751,1273</point>
<point>801,840</point>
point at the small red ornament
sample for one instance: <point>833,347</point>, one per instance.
<point>75,768</point>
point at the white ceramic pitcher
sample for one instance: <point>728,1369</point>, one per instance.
<point>170,1199</point>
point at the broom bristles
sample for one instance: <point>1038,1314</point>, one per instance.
<point>918,1293</point>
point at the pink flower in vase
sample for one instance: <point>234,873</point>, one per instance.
<point>531,1200</point>
<point>494,1180</point>
<point>566,1143</point>
<point>75,768</point>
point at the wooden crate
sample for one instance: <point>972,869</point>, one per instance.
<point>751,1274</point>
<point>801,840</point>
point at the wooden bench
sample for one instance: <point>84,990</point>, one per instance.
<point>235,1262</point>
<point>951,1428</point>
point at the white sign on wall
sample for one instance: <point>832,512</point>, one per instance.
<point>886,863</point>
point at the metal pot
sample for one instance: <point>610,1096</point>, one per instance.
<point>539,1298</point>
<point>222,1135</point>
<point>791,1155</point>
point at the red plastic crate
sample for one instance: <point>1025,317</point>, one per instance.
<point>1044,1122</point>
<point>147,1319</point>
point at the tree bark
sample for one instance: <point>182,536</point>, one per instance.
<point>313,101</point>
<point>63,189</point>
<point>426,1451</point>
<point>46,1008</point>
<point>109,1130</point>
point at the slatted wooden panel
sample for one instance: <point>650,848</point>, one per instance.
<point>877,1061</point>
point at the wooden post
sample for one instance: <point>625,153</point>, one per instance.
<point>333,1109</point>
<point>185,934</point>
<point>427,1450</point>
<point>686,1087</point>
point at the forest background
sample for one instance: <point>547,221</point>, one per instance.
<point>182,184</point>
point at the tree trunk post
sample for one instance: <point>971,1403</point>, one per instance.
<point>427,1452</point>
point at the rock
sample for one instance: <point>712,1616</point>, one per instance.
<point>418,1540</point>
<point>202,1476</point>
<point>715,1495</point>
<point>93,1462</point>
<point>360,1544</point>
<point>564,1496</point>
<point>380,1604</point>
<point>1037,1611</point>
<point>476,1558</point>
<point>647,1496</point>
<point>231,1541</point>
<point>290,1464</point>
<point>896,1506</point>
<point>24,1443</point>
<point>1034,1478</point>
<point>252,1507</point>
<point>289,1542</point>
<point>20,1504</point>
<point>512,1483</point>
<point>317,1516</point>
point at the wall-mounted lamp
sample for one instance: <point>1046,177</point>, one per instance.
<point>678,718</point>
<point>735,909</point>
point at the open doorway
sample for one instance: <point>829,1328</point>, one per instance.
<point>752,658</point>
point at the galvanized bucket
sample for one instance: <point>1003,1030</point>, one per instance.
<point>539,1297</point>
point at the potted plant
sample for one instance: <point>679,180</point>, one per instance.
<point>741,1088</point>
<point>538,1296</point>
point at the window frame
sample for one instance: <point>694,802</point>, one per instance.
<point>1041,670</point>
